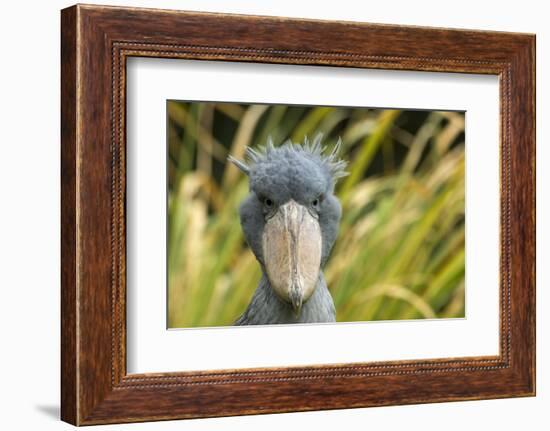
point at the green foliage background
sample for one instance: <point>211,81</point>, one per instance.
<point>400,250</point>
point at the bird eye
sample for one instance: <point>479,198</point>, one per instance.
<point>315,203</point>
<point>268,202</point>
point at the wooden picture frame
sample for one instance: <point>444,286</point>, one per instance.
<point>96,41</point>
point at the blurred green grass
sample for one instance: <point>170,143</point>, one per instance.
<point>400,249</point>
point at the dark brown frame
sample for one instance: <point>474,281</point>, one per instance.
<point>95,43</point>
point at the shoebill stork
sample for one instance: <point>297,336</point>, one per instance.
<point>290,221</point>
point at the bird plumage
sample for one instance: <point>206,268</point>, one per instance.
<point>291,206</point>
<point>266,308</point>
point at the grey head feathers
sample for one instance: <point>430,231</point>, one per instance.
<point>312,150</point>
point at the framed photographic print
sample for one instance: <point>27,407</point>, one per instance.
<point>264,214</point>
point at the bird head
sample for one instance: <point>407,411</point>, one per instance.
<point>290,218</point>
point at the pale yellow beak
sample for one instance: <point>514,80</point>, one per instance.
<point>292,245</point>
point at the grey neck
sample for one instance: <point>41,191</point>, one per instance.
<point>266,308</point>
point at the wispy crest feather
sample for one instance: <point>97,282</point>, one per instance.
<point>335,166</point>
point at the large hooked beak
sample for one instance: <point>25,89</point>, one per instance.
<point>292,245</point>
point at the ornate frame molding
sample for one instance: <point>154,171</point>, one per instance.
<point>96,41</point>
